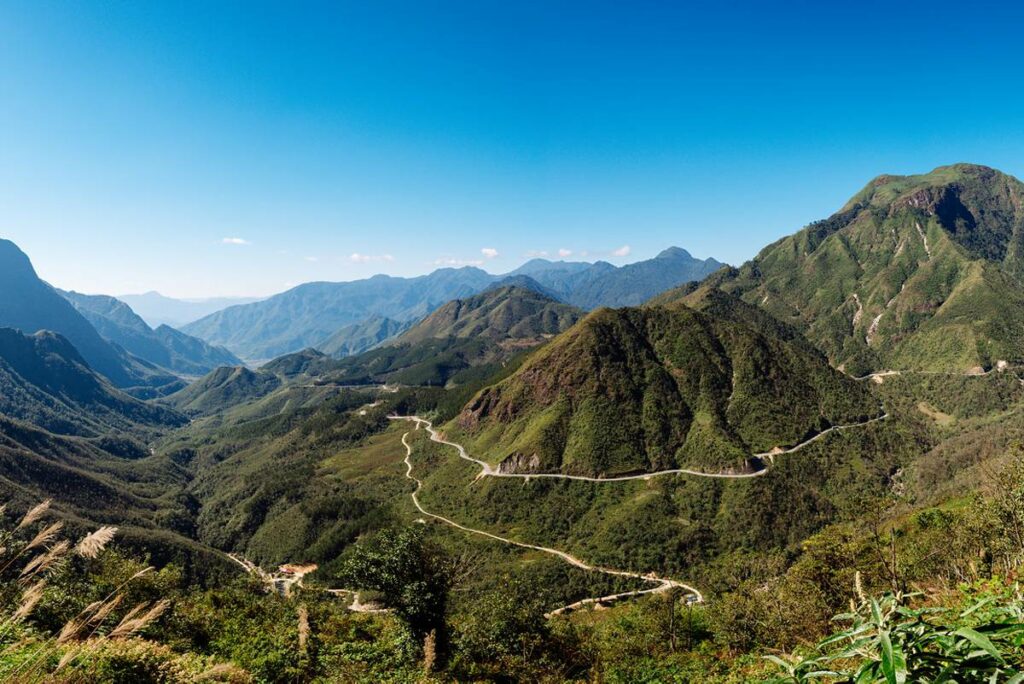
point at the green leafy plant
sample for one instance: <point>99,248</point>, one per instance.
<point>889,641</point>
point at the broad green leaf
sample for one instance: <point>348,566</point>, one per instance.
<point>980,641</point>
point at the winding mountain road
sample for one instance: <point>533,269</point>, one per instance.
<point>663,583</point>
<point>487,470</point>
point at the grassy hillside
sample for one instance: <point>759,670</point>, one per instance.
<point>916,272</point>
<point>225,388</point>
<point>633,390</point>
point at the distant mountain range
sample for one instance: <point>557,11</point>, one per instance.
<point>338,317</point>
<point>30,305</point>
<point>589,286</point>
<point>164,346</point>
<point>464,338</point>
<point>157,310</point>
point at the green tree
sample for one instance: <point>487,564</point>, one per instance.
<point>412,577</point>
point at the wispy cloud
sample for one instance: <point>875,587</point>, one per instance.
<point>564,252</point>
<point>235,241</point>
<point>452,261</point>
<point>312,259</point>
<point>489,252</point>
<point>622,251</point>
<point>357,258</point>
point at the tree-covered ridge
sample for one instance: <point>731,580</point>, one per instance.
<point>44,381</point>
<point>634,390</point>
<point>463,341</point>
<point>356,338</point>
<point>509,312</point>
<point>227,387</point>
<point>918,272</point>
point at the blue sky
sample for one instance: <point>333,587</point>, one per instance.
<point>240,148</point>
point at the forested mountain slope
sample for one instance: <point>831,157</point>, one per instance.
<point>44,381</point>
<point>914,272</point>
<point>634,390</point>
<point>465,337</point>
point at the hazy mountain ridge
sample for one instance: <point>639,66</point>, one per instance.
<point>311,315</point>
<point>165,346</point>
<point>30,305</point>
<point>157,309</point>
<point>356,338</point>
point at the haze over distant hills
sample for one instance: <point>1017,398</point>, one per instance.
<point>164,346</point>
<point>315,314</point>
<point>157,309</point>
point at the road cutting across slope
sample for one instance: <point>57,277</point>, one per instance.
<point>663,584</point>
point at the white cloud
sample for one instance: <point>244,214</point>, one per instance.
<point>451,261</point>
<point>235,241</point>
<point>489,252</point>
<point>622,251</point>
<point>564,252</point>
<point>357,258</point>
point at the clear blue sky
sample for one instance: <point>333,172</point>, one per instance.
<point>135,137</point>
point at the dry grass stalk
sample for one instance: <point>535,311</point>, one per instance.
<point>46,535</point>
<point>29,599</point>
<point>104,611</point>
<point>130,624</point>
<point>303,627</point>
<point>69,655</point>
<point>45,561</point>
<point>93,543</point>
<point>34,514</point>
<point>430,651</point>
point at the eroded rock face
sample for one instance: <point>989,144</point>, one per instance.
<point>519,464</point>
